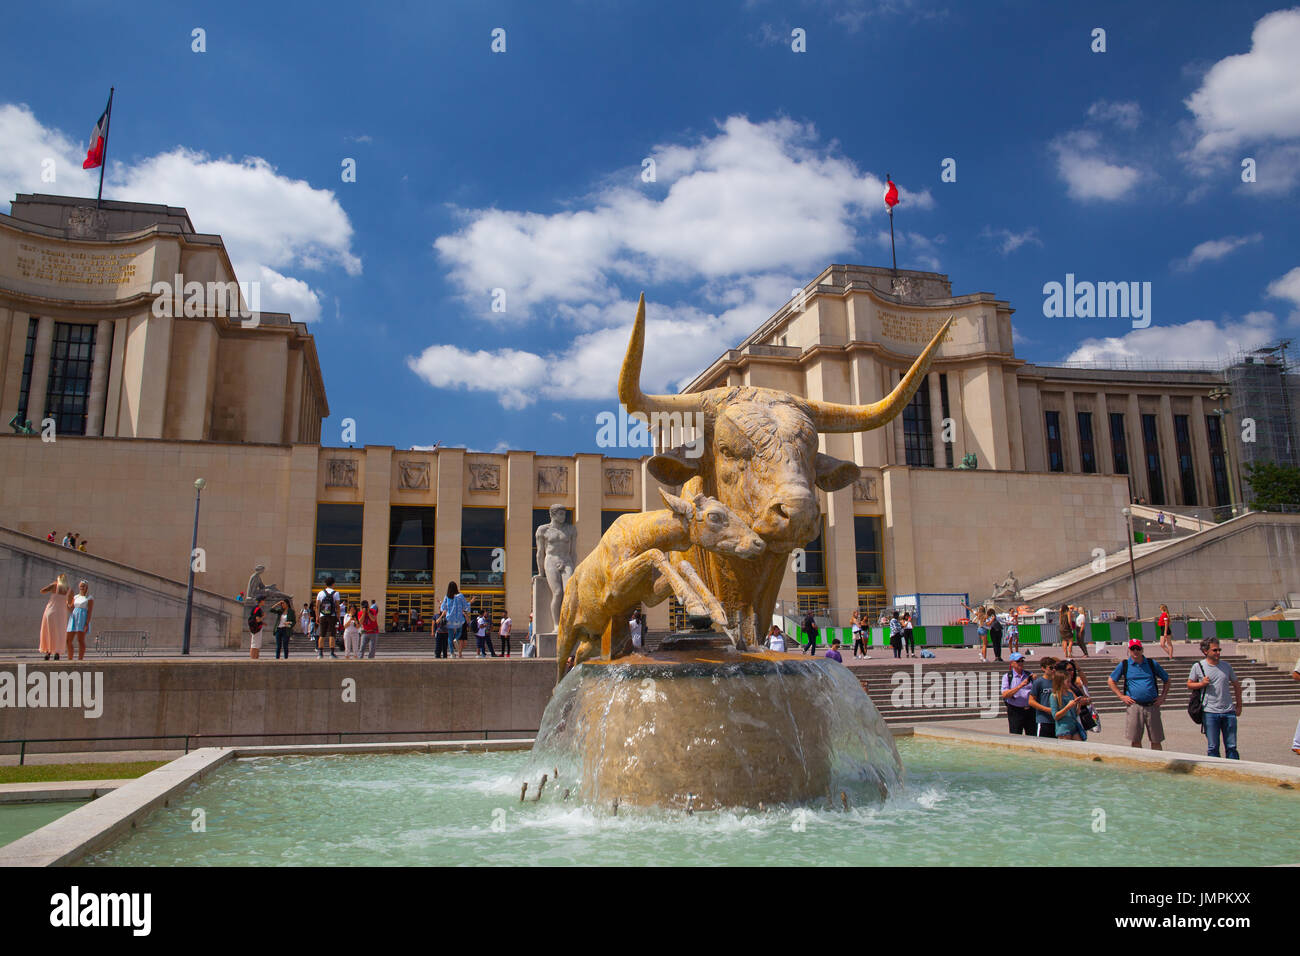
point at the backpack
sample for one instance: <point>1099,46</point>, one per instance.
<point>1155,678</point>
<point>329,606</point>
<point>1196,701</point>
<point>254,625</point>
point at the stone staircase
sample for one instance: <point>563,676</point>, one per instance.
<point>1271,686</point>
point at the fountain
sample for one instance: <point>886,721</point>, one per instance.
<point>708,722</point>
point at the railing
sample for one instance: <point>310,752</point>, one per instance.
<point>199,738</point>
<point>1120,609</point>
<point>129,643</point>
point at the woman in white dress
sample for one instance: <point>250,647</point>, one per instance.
<point>83,605</point>
<point>54,622</point>
<point>351,636</point>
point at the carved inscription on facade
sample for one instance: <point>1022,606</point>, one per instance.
<point>552,480</point>
<point>618,482</point>
<point>484,477</point>
<point>74,266</point>
<point>413,475</point>
<point>917,329</point>
<point>340,473</point>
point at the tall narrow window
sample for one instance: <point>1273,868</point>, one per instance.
<point>943,399</point>
<point>1118,443</point>
<point>482,547</point>
<point>410,544</point>
<point>338,544</point>
<point>814,573</point>
<point>29,356</point>
<point>1055,461</point>
<point>1151,448</point>
<point>67,395</point>
<point>1087,455</point>
<point>1218,463</point>
<point>869,548</point>
<point>1183,445</point>
<point>917,439</point>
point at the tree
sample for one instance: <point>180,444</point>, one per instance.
<point>1273,487</point>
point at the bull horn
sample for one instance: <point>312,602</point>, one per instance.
<point>830,417</point>
<point>629,379</point>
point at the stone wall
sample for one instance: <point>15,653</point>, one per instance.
<point>298,697</point>
<point>125,598</point>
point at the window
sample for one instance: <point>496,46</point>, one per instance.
<point>873,604</point>
<point>814,573</point>
<point>483,547</point>
<point>1087,455</point>
<point>916,429</point>
<point>410,544</point>
<point>411,610</point>
<point>607,518</point>
<point>68,393</point>
<point>943,400</point>
<point>869,547</point>
<point>816,602</point>
<point>1118,443</point>
<point>1151,448</point>
<point>1055,461</point>
<point>338,544</point>
<point>29,356</point>
<point>492,604</point>
<point>1218,464</point>
<point>1183,445</point>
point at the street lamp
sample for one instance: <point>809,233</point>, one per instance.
<point>1128,518</point>
<point>189,592</point>
<point>1221,395</point>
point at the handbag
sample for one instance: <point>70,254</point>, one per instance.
<point>1196,702</point>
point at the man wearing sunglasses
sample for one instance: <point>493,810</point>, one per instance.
<point>1142,700</point>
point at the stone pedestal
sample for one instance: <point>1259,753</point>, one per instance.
<point>543,626</point>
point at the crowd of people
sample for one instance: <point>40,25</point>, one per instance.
<point>69,541</point>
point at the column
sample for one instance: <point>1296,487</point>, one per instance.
<point>451,496</point>
<point>1101,436</point>
<point>1033,427</point>
<point>99,378</point>
<point>519,486</point>
<point>588,494</point>
<point>900,443</point>
<point>1169,453</point>
<point>870,447</point>
<point>1201,455</point>
<point>40,371</point>
<point>113,400</point>
<point>955,410</point>
<point>376,492</point>
<point>936,420</point>
<point>1137,458</point>
<point>1015,427</point>
<point>1070,435</point>
<point>11,373</point>
<point>840,550</point>
<point>900,550</point>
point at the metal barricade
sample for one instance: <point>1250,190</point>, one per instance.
<point>121,643</point>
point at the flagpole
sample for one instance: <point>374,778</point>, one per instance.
<point>108,124</point>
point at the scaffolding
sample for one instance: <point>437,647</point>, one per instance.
<point>1264,388</point>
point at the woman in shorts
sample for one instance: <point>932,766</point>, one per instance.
<point>981,629</point>
<point>1166,633</point>
<point>1065,627</point>
<point>1013,632</point>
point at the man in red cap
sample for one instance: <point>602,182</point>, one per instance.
<point>1142,695</point>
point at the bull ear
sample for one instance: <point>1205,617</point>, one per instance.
<point>672,467</point>
<point>835,473</point>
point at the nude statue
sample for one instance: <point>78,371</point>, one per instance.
<point>557,546</point>
<point>258,591</point>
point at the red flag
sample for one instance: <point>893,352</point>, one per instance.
<point>95,150</point>
<point>891,195</point>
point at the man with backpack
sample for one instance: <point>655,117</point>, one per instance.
<point>255,630</point>
<point>1142,700</point>
<point>328,605</point>
<point>1015,693</point>
<point>1221,705</point>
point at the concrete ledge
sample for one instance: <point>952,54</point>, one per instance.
<point>1247,771</point>
<point>97,824</point>
<point>419,746</point>
<point>53,790</point>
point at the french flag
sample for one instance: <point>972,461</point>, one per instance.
<point>95,151</point>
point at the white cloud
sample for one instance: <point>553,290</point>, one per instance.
<point>1126,115</point>
<point>1214,249</point>
<point>1200,340</point>
<point>1087,171</point>
<point>270,223</point>
<point>1009,241</point>
<point>1287,287</point>
<point>753,199</point>
<point>1252,97</point>
<point>514,375</point>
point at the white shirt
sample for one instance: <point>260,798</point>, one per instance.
<point>338,601</point>
<point>482,627</point>
<point>505,628</point>
<point>1080,621</point>
<point>776,642</point>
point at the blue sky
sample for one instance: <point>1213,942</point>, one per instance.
<point>523,171</point>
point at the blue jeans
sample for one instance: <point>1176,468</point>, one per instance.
<point>1227,725</point>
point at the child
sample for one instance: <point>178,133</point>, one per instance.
<point>351,636</point>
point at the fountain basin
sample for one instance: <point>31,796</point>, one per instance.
<point>711,728</point>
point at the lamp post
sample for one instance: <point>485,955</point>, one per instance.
<point>189,591</point>
<point>1132,570</point>
<point>1220,395</point>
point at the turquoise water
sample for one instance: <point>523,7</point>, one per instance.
<point>960,805</point>
<point>19,819</point>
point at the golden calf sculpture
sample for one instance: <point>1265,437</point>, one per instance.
<point>758,456</point>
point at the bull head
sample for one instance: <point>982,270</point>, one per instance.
<point>760,443</point>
